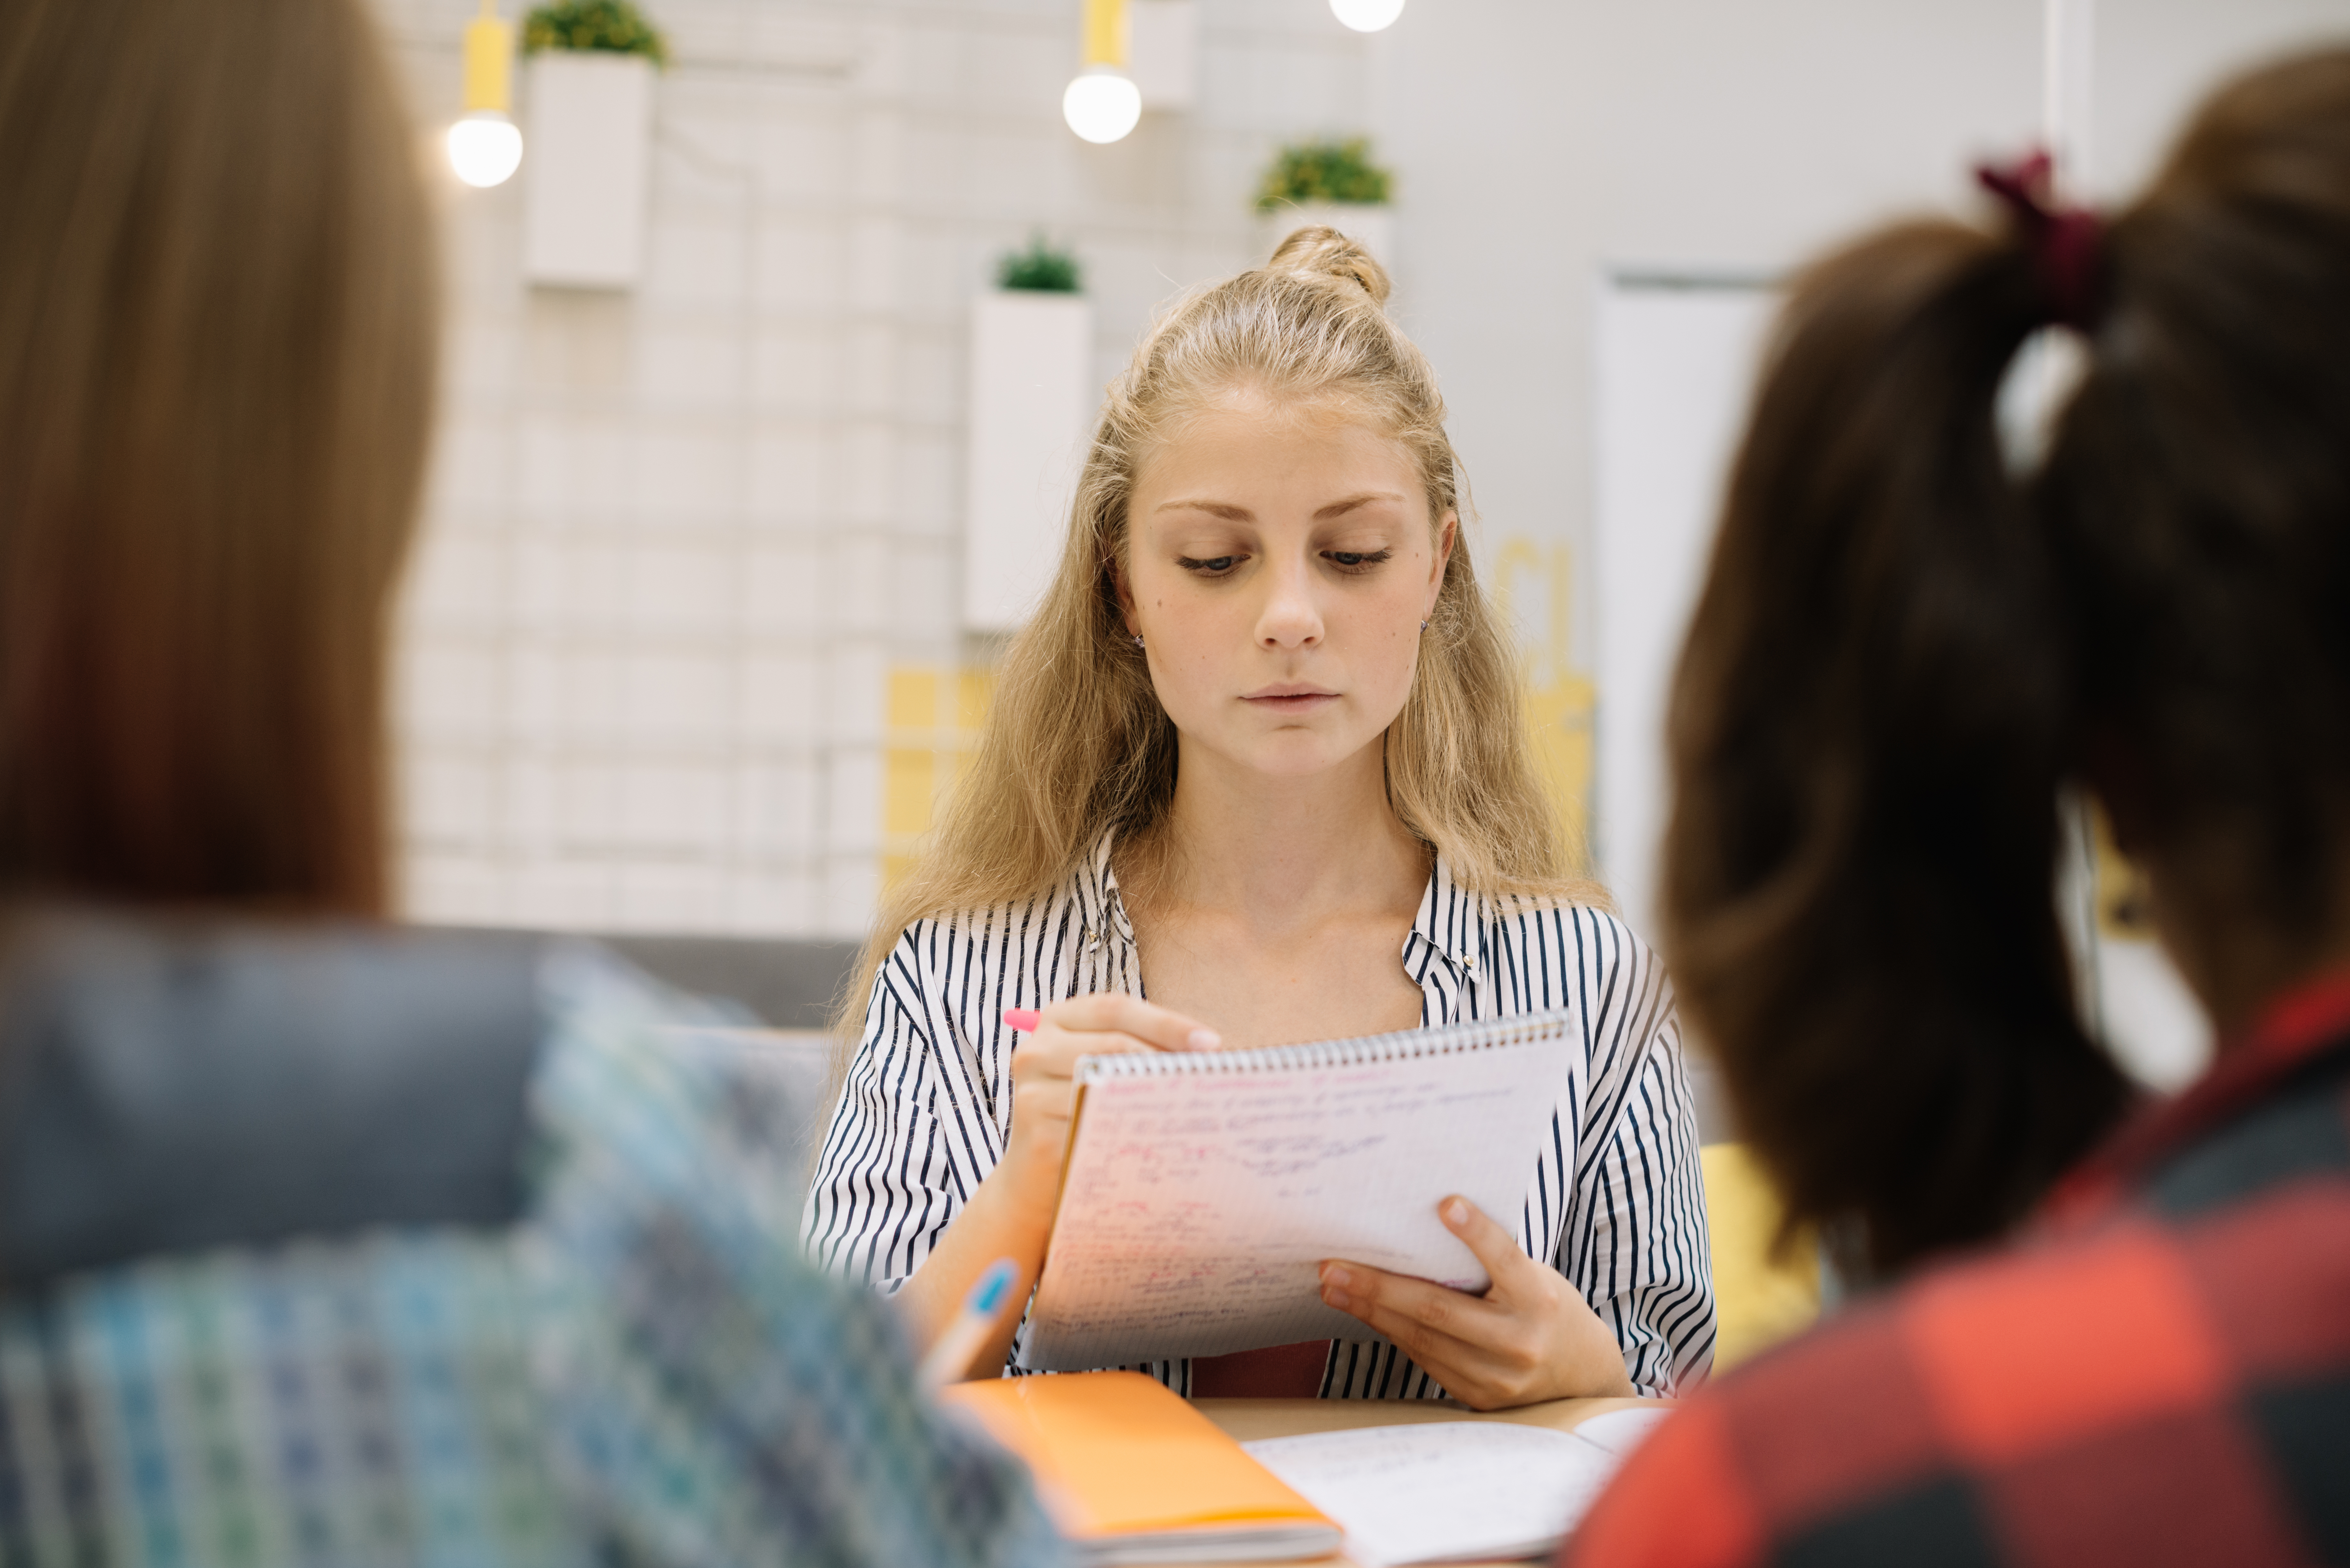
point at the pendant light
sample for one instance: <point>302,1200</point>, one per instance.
<point>1103,103</point>
<point>1367,16</point>
<point>485,147</point>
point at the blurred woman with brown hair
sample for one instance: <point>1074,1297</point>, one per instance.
<point>1902,652</point>
<point>321,1242</point>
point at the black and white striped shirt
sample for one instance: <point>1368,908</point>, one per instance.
<point>1616,1200</point>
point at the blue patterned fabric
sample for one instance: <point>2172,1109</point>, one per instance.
<point>644,1370</point>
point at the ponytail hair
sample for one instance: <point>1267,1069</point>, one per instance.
<point>1901,652</point>
<point>1868,728</point>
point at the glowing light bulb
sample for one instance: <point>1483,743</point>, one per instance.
<point>484,148</point>
<point>1367,16</point>
<point>1102,105</point>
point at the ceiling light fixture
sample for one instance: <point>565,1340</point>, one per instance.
<point>1103,103</point>
<point>1367,16</point>
<point>485,147</point>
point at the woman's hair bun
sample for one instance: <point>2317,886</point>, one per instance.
<point>1322,251</point>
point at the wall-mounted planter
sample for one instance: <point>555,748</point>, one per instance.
<point>1033,400</point>
<point>1371,226</point>
<point>1163,52</point>
<point>589,159</point>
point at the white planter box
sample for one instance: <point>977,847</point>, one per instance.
<point>587,159</point>
<point>1163,52</point>
<point>1372,227</point>
<point>1032,404</point>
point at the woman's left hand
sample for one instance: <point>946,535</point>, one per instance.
<point>1531,1336</point>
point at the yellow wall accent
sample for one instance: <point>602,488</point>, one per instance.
<point>934,715</point>
<point>1761,1299</point>
<point>1559,716</point>
<point>1559,697</point>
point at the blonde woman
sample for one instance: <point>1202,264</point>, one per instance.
<point>1258,759</point>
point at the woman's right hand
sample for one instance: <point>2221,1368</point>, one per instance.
<point>1043,1067</point>
<point>1011,1213</point>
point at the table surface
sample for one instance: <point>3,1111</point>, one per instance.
<point>1249,1419</point>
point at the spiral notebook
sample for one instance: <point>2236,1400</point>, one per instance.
<point>1204,1190</point>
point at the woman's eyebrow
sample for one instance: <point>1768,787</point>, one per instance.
<point>1340,508</point>
<point>1233,513</point>
<point>1223,509</point>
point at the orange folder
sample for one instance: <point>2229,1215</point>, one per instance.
<point>1135,1475</point>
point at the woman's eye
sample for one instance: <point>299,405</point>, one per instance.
<point>1355,560</point>
<point>1213,566</point>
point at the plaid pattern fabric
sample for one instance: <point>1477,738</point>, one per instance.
<point>359,1404</point>
<point>2161,1375</point>
<point>645,1371</point>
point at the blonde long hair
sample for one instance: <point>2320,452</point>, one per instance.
<point>1076,744</point>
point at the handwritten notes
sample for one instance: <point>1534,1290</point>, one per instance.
<point>1203,1191</point>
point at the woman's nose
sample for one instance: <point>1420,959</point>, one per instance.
<point>1289,618</point>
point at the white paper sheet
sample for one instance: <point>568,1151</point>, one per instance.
<point>1622,1432</point>
<point>1442,1491</point>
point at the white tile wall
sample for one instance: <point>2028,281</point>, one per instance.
<point>676,538</point>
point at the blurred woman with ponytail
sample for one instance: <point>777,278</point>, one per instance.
<point>1903,655</point>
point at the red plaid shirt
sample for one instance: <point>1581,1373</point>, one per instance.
<point>2159,1375</point>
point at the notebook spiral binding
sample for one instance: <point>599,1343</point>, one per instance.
<point>1403,1043</point>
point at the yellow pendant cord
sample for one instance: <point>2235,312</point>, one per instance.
<point>1106,33</point>
<point>489,62</point>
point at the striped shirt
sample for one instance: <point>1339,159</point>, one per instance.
<point>1615,1200</point>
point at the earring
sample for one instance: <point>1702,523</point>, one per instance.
<point>1138,639</point>
<point>1423,625</point>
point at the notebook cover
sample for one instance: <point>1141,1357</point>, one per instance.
<point>1118,1453</point>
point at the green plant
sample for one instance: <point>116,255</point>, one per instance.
<point>612,27</point>
<point>1324,172</point>
<point>1040,267</point>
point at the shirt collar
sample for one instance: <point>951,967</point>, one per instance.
<point>2307,1023</point>
<point>1099,904</point>
<point>1449,925</point>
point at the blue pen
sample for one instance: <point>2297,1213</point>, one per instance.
<point>950,1353</point>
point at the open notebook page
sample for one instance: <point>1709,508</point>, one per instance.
<point>1202,1191</point>
<point>1442,1491</point>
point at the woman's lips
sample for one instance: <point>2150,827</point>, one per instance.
<point>1290,701</point>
